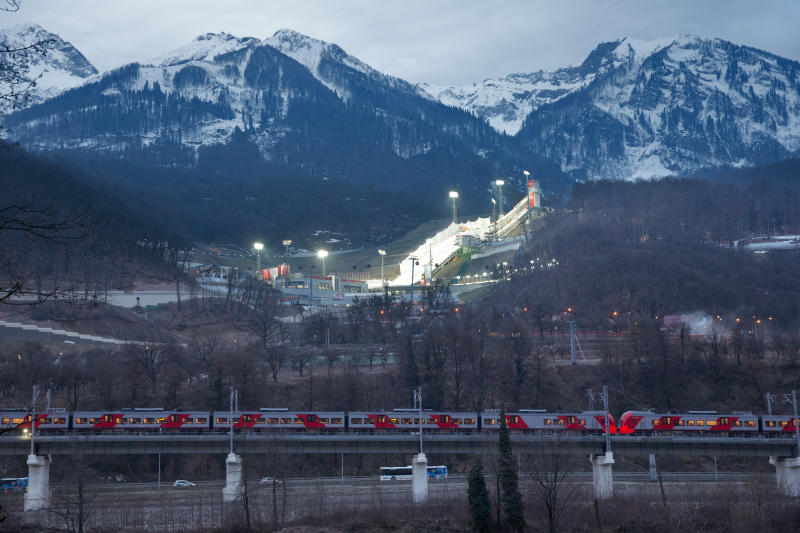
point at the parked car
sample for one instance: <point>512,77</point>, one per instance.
<point>183,483</point>
<point>270,480</point>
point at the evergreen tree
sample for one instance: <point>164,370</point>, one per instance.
<point>511,497</point>
<point>479,507</point>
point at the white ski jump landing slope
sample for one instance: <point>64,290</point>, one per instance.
<point>439,248</point>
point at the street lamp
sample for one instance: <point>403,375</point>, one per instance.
<point>382,253</point>
<point>258,247</point>
<point>454,196</point>
<point>500,184</point>
<point>322,254</point>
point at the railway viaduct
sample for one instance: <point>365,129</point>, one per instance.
<point>783,453</point>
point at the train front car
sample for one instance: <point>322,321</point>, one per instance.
<point>690,423</point>
<point>19,421</point>
<point>279,420</point>
<point>408,420</point>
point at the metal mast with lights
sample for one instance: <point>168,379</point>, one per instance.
<point>322,254</point>
<point>454,196</point>
<point>382,253</point>
<point>258,247</point>
<point>499,184</point>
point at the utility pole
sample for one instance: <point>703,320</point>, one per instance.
<point>572,340</point>
<point>33,416</point>
<point>418,404</point>
<point>605,409</point>
<point>413,262</point>
<point>770,401</point>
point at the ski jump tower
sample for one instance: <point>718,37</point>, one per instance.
<point>528,207</point>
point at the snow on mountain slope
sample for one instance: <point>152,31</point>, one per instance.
<point>643,109</point>
<point>61,68</point>
<point>203,48</point>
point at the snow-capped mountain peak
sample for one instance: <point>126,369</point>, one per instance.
<point>309,52</point>
<point>203,48</point>
<point>61,68</point>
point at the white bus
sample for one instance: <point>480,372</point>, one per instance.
<point>394,473</point>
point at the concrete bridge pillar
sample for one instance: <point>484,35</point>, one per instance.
<point>653,469</point>
<point>233,478</point>
<point>419,478</point>
<point>787,470</point>
<point>38,495</point>
<point>602,475</point>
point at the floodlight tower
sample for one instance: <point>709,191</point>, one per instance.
<point>382,253</point>
<point>499,184</point>
<point>322,254</point>
<point>454,196</point>
<point>258,247</point>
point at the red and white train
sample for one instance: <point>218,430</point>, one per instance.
<point>156,420</point>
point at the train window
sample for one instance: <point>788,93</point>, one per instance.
<point>60,420</point>
<point>336,420</point>
<point>681,422</point>
<point>323,420</point>
<point>784,423</point>
<point>149,420</point>
<point>489,421</point>
<point>260,421</point>
<point>393,420</point>
<point>186,421</point>
<point>513,419</point>
<point>201,421</point>
<point>299,421</point>
<point>45,420</point>
<point>120,420</point>
<point>6,420</point>
<point>221,420</point>
<point>583,421</point>
<point>548,421</point>
<point>738,423</point>
<point>711,422</point>
<point>94,420</point>
<point>771,423</point>
<point>406,421</point>
<point>750,423</point>
<point>285,420</point>
<point>456,421</point>
<point>432,421</point>
<point>134,421</point>
<point>162,420</point>
<point>78,421</point>
<point>690,423</point>
<point>469,421</point>
<point>272,420</point>
<point>311,418</point>
<point>560,422</point>
<point>701,422</point>
<point>356,421</point>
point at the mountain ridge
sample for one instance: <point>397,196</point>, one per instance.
<point>631,109</point>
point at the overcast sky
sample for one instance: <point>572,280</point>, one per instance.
<point>442,42</point>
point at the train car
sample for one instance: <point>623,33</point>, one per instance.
<point>778,425</point>
<point>692,422</point>
<point>540,420</point>
<point>19,421</point>
<point>280,419</point>
<point>409,420</point>
<point>141,420</point>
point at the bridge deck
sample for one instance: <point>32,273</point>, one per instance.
<point>393,444</point>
